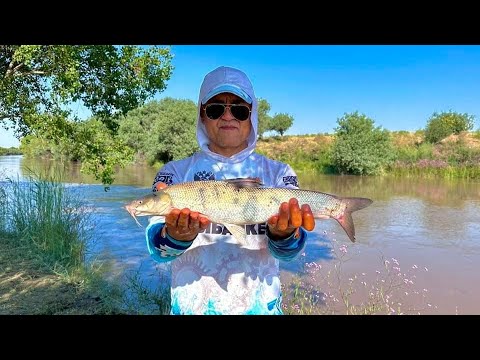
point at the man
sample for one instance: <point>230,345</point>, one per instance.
<point>211,272</point>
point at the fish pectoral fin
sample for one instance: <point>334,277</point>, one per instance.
<point>245,182</point>
<point>238,232</point>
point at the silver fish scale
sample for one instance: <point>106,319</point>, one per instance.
<point>223,202</point>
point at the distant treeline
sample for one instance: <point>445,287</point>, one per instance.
<point>114,83</point>
<point>10,151</point>
<point>157,132</point>
<point>165,130</point>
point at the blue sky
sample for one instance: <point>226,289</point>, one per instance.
<point>397,86</point>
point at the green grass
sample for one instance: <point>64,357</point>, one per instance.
<point>45,216</point>
<point>45,232</point>
<point>448,172</point>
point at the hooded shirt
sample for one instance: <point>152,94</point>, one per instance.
<point>214,273</point>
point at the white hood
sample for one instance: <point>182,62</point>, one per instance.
<point>227,79</point>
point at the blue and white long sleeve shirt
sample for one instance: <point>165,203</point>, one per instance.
<point>214,274</point>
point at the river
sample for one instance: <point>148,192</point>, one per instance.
<point>426,232</point>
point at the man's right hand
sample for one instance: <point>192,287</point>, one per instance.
<point>184,225</point>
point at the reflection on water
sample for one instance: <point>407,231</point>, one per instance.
<point>451,193</point>
<point>71,171</point>
<point>433,224</point>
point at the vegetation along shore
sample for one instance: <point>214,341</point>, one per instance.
<point>44,235</point>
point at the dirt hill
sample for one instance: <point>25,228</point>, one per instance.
<point>281,145</point>
<point>313,143</point>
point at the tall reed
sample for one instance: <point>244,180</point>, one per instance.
<point>41,213</point>
<point>43,217</point>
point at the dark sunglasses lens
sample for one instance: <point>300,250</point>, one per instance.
<point>214,111</point>
<point>240,112</point>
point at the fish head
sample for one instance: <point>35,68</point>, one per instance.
<point>157,203</point>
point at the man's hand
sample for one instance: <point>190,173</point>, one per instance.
<point>289,218</point>
<point>184,225</point>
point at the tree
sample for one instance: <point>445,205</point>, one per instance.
<point>281,123</point>
<point>42,82</point>
<point>170,125</point>
<point>441,125</point>
<point>264,120</point>
<point>359,147</point>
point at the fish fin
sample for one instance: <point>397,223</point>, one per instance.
<point>238,232</point>
<point>346,220</point>
<point>245,182</point>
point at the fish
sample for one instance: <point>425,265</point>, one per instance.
<point>238,202</point>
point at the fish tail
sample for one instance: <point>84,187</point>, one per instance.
<point>345,220</point>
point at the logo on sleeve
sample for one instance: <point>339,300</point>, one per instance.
<point>203,175</point>
<point>290,180</point>
<point>166,178</point>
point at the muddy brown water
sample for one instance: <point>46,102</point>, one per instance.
<point>428,231</point>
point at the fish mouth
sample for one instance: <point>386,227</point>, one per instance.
<point>133,212</point>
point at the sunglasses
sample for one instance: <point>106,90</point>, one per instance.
<point>214,111</point>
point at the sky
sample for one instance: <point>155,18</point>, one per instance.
<point>397,86</point>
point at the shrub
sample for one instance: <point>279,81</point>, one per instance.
<point>359,147</point>
<point>441,125</point>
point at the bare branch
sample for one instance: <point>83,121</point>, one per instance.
<point>33,72</point>
<point>9,70</point>
<point>18,67</point>
<point>14,71</point>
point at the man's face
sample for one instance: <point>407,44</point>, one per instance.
<point>227,135</point>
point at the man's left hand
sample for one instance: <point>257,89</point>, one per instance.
<point>289,218</point>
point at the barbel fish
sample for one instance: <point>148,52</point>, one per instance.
<point>238,202</point>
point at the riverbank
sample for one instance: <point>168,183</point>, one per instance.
<point>28,286</point>
<point>456,156</point>
<point>45,233</point>
<point>424,223</point>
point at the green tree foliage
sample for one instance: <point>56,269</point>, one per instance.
<point>42,82</point>
<point>33,146</point>
<point>281,123</point>
<point>441,125</point>
<point>50,137</point>
<point>264,120</point>
<point>162,130</point>
<point>359,147</point>
<point>10,151</point>
<point>100,152</point>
